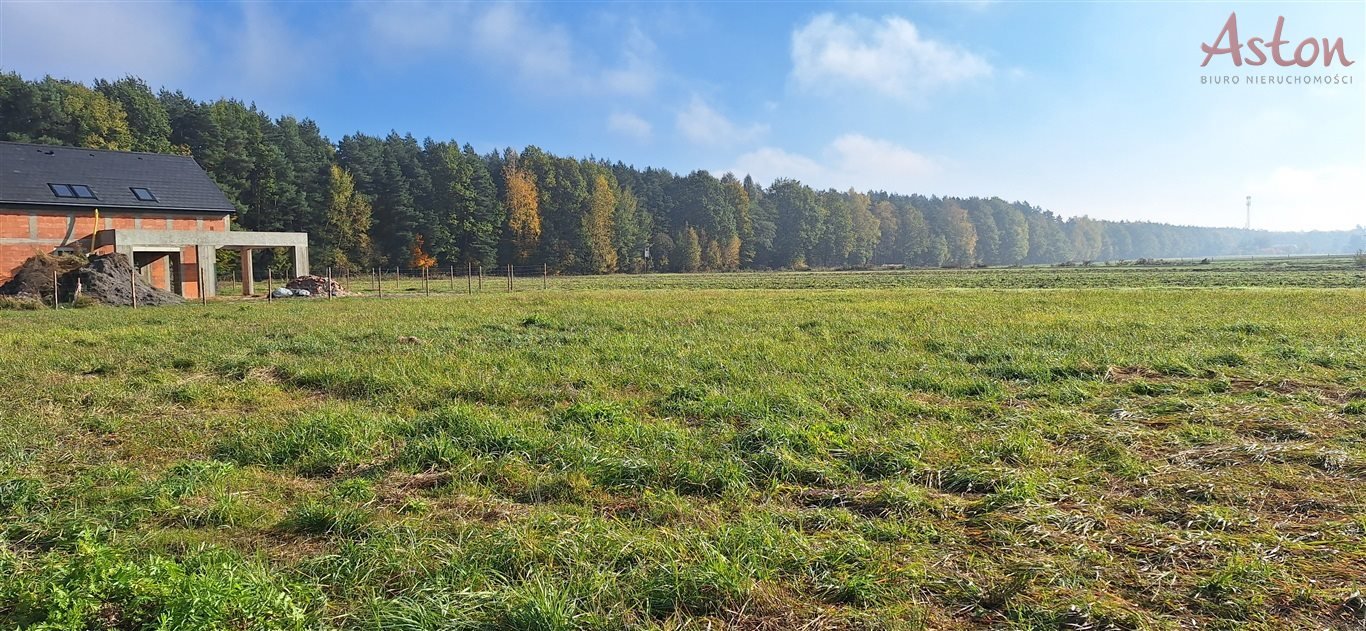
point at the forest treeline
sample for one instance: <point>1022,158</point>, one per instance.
<point>393,200</point>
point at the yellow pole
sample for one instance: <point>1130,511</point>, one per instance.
<point>97,229</point>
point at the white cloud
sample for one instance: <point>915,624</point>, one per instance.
<point>849,160</point>
<point>766,164</point>
<point>261,55</point>
<point>629,124</point>
<point>537,52</point>
<point>253,54</point>
<point>406,28</point>
<point>701,124</point>
<point>540,55</point>
<point>890,57</point>
<point>636,74</point>
<point>84,41</point>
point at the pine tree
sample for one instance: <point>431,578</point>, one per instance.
<point>148,122</point>
<point>1014,232</point>
<point>631,231</point>
<point>690,251</point>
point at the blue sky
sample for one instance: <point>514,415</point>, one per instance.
<point>1082,108</point>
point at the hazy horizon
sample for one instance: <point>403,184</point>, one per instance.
<point>1107,117</point>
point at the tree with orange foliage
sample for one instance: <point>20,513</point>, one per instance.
<point>421,258</point>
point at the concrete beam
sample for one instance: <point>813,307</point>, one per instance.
<point>159,238</point>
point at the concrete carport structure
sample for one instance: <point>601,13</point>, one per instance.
<point>132,243</point>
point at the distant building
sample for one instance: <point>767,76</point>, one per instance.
<point>162,211</point>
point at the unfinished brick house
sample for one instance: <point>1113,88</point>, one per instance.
<point>162,211</point>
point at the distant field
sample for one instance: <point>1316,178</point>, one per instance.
<point>1324,271</point>
<point>875,456</point>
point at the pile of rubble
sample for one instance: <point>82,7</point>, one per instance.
<point>106,278</point>
<point>315,286</point>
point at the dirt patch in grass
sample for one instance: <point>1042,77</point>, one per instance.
<point>1125,374</point>
<point>1291,387</point>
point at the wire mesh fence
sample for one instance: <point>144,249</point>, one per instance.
<point>404,281</point>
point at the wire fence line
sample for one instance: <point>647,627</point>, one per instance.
<point>398,281</point>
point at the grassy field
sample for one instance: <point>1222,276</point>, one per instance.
<point>878,456</point>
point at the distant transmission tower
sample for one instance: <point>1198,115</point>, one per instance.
<point>1249,213</point>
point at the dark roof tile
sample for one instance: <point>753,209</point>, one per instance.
<point>177,181</point>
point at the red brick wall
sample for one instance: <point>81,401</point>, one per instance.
<point>18,243</point>
<point>189,272</point>
<point>56,226</point>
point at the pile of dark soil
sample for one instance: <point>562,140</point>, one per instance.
<point>33,279</point>
<point>105,278</point>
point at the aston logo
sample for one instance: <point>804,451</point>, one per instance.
<point>1305,54</point>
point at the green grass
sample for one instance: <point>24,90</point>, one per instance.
<point>854,458</point>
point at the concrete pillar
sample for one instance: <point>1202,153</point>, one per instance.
<point>248,276</point>
<point>207,258</point>
<point>300,261</point>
